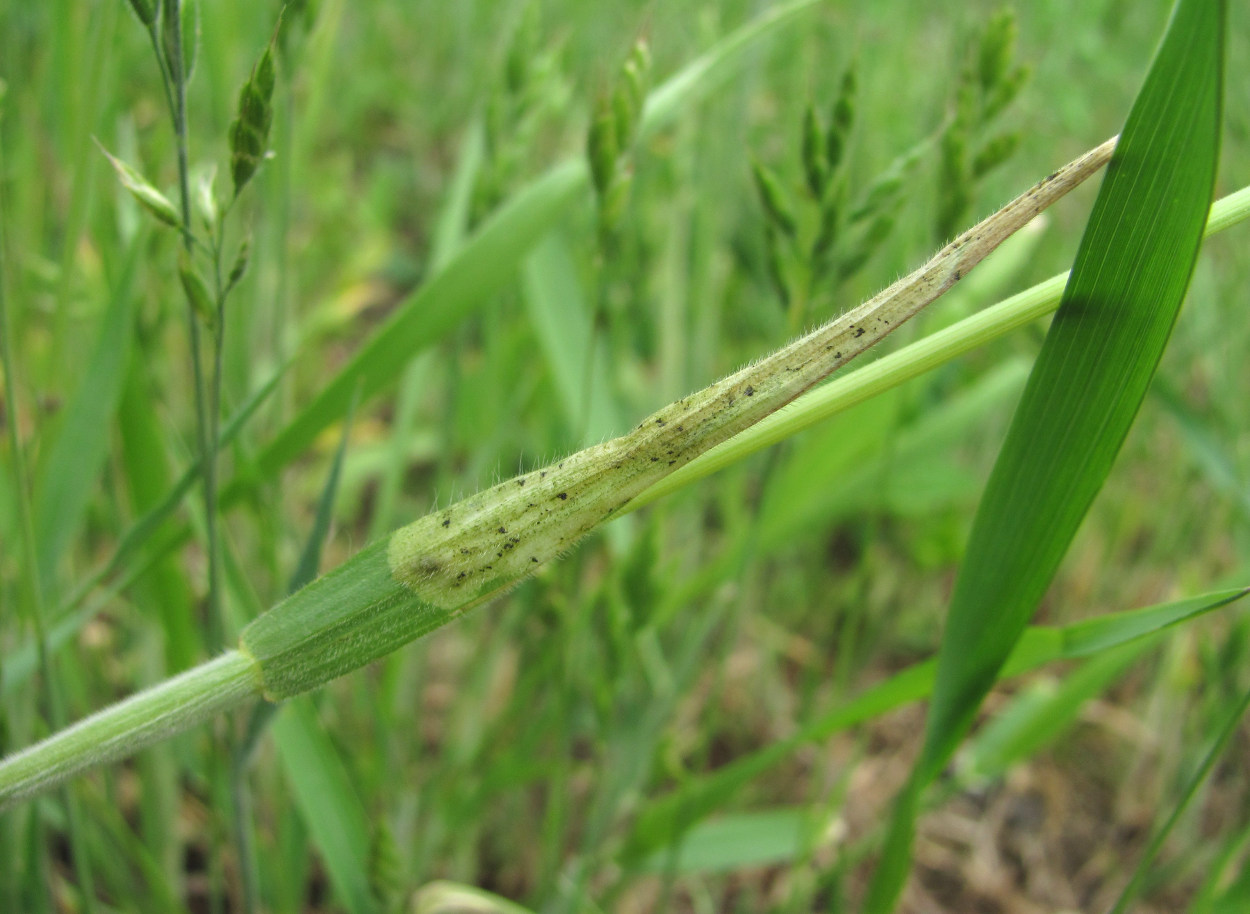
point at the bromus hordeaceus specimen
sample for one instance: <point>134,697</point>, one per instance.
<point>452,560</point>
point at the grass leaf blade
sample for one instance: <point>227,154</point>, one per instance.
<point>663,821</point>
<point>327,801</point>
<point>1126,289</point>
<point>1121,302</point>
<point>68,475</point>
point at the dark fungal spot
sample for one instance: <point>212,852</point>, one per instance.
<point>520,482</point>
<point>750,391</point>
<point>461,576</point>
<point>859,331</point>
<point>659,422</point>
<point>503,529</point>
<point>534,559</point>
<point>447,522</point>
<point>562,496</point>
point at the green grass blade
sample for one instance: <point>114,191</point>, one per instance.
<point>738,840</point>
<point>1191,789</point>
<point>1226,886</point>
<point>453,223</point>
<point>327,801</point>
<point>1207,452</point>
<point>663,821</point>
<point>310,557</point>
<point>667,101</point>
<point>482,267</point>
<point>143,530</point>
<point>847,389</point>
<point>1044,712</point>
<point>323,811</point>
<point>67,477</point>
<point>146,468</point>
<point>1127,285</point>
<point>561,318</point>
<point>450,231</point>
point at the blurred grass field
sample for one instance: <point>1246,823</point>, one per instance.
<point>526,749</point>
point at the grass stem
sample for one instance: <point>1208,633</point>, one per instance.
<point>123,728</point>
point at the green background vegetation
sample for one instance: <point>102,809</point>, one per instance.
<point>530,748</point>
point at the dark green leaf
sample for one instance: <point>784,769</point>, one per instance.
<point>1126,288</point>
<point>310,558</point>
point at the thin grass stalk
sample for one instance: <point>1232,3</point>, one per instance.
<point>203,396</point>
<point>207,391</point>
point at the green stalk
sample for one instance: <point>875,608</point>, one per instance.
<point>207,392</point>
<point>121,729</point>
<point>369,606</point>
<point>891,370</point>
<point>205,426</point>
<point>453,560</point>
